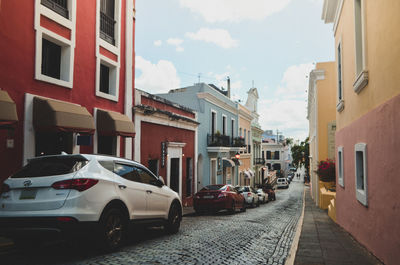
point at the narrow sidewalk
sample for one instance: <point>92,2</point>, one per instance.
<point>324,242</point>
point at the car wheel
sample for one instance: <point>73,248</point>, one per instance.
<point>174,219</point>
<point>243,209</point>
<point>232,210</point>
<point>258,203</point>
<point>252,204</point>
<point>113,226</point>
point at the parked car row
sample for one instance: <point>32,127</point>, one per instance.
<point>219,197</point>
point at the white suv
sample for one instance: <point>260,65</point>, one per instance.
<point>282,183</point>
<point>70,195</point>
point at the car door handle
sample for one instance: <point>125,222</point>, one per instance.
<point>148,191</point>
<point>122,186</point>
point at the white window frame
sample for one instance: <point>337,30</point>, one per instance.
<point>361,74</point>
<point>224,124</point>
<point>67,45</point>
<point>115,49</point>
<point>340,160</point>
<point>340,90</point>
<point>216,122</point>
<point>361,193</point>
<point>113,79</point>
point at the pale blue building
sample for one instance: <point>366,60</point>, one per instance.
<point>218,140</point>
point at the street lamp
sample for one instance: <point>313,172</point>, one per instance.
<point>237,156</point>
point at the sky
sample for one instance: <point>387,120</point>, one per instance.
<point>271,44</point>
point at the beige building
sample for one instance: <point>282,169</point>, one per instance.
<point>321,116</point>
<point>246,174</point>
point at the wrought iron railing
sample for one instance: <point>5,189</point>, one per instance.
<point>218,140</point>
<point>107,28</point>
<point>58,6</point>
<point>238,142</point>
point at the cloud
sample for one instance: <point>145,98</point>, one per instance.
<point>177,43</point>
<point>287,115</point>
<point>157,43</point>
<point>234,10</point>
<point>156,78</point>
<point>295,81</point>
<point>220,37</point>
<point>287,112</point>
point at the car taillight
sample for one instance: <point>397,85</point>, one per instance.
<point>76,184</point>
<point>249,194</point>
<point>65,219</point>
<point>4,188</point>
<point>221,195</point>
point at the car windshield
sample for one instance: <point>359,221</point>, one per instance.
<point>51,166</point>
<point>214,187</point>
<point>244,189</point>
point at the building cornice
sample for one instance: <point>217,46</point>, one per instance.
<point>331,12</point>
<point>212,99</point>
<point>245,114</point>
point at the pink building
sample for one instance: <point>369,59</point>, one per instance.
<point>66,79</point>
<point>368,122</point>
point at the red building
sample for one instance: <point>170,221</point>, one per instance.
<point>166,142</point>
<point>66,79</point>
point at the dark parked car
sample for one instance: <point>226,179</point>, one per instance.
<point>218,197</point>
<point>267,188</point>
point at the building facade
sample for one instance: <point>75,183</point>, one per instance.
<point>165,142</point>
<point>246,173</point>
<point>218,140</point>
<point>68,66</point>
<point>367,119</point>
<point>321,114</point>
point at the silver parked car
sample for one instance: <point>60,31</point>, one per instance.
<point>250,195</point>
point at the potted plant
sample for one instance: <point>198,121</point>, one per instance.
<point>327,172</point>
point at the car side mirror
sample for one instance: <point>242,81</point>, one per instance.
<point>161,179</point>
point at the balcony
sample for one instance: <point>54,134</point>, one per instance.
<point>259,161</point>
<point>58,6</point>
<point>238,142</point>
<point>218,140</point>
<point>107,28</point>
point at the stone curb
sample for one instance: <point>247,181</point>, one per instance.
<point>295,243</point>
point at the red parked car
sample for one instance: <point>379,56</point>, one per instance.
<point>218,197</point>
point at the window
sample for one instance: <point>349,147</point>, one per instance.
<point>54,52</point>
<point>361,173</point>
<point>51,59</point>
<point>358,36</point>
<point>262,154</point>
<point>104,79</point>
<point>276,155</point>
<point>361,73</point>
<point>224,125</point>
<point>126,172</point>
<point>55,59</point>
<point>213,122</point>
<point>340,104</point>
<point>244,136</point>
<point>268,154</point>
<point>58,6</point>
<point>146,177</point>
<point>240,132</point>
<point>340,166</point>
<point>108,82</point>
<point>107,22</point>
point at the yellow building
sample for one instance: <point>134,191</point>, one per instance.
<point>367,100</point>
<point>321,116</point>
<point>246,174</point>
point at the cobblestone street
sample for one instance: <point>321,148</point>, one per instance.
<point>261,235</point>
